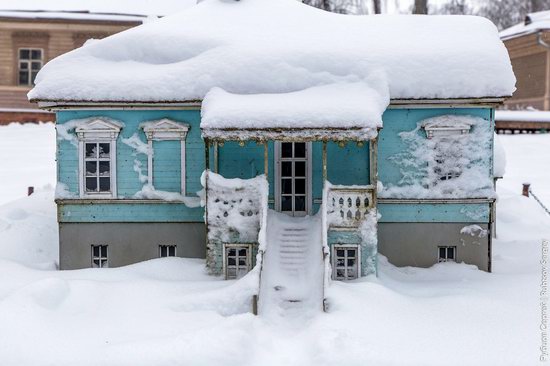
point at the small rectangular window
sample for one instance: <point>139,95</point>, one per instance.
<point>30,62</point>
<point>97,164</point>
<point>99,256</point>
<point>237,261</point>
<point>345,262</point>
<point>167,251</point>
<point>447,254</point>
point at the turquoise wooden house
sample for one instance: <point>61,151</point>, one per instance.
<point>230,132</point>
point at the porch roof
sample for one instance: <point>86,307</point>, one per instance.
<point>340,111</point>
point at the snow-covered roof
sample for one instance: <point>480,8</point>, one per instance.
<point>345,106</point>
<point>267,46</point>
<point>522,116</point>
<point>533,23</point>
<point>92,9</point>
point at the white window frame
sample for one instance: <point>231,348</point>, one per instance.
<point>29,63</point>
<point>226,248</point>
<point>357,249</point>
<point>97,130</point>
<point>166,130</point>
<point>446,259</point>
<point>101,257</point>
<point>168,246</point>
<point>309,176</point>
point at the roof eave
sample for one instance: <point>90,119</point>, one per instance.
<point>55,105</point>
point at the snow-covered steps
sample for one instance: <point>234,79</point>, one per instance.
<point>292,271</point>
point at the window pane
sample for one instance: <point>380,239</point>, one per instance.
<point>104,263</point>
<point>35,66</point>
<point>23,66</point>
<point>33,76</point>
<point>104,168</point>
<point>104,184</point>
<point>340,252</point>
<point>300,169</point>
<point>286,149</point>
<point>231,273</point>
<point>232,252</point>
<point>286,203</point>
<point>36,54</point>
<point>351,262</point>
<point>242,252</point>
<point>23,78</point>
<point>286,169</point>
<point>163,250</point>
<point>104,150</point>
<point>95,250</point>
<point>340,262</point>
<point>300,186</point>
<point>91,150</point>
<point>103,250</point>
<point>95,263</point>
<point>300,150</point>
<point>91,168</point>
<point>299,203</point>
<point>341,273</point>
<point>441,253</point>
<point>286,186</point>
<point>24,54</point>
<point>351,253</point>
<point>91,184</point>
<point>242,262</point>
<point>231,261</point>
<point>451,253</point>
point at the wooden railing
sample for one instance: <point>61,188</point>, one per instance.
<point>347,206</point>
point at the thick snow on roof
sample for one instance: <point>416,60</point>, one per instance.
<point>522,116</point>
<point>72,16</point>
<point>64,8</point>
<point>533,23</point>
<point>344,105</point>
<point>278,46</point>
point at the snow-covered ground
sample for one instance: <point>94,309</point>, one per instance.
<point>27,158</point>
<point>169,312</point>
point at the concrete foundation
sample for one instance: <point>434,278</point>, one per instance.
<point>128,243</point>
<point>416,244</point>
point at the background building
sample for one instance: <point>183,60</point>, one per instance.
<point>34,32</point>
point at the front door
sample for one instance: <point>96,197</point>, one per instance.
<point>293,178</point>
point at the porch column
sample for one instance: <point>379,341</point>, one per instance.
<point>266,160</point>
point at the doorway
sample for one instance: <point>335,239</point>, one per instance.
<point>293,178</point>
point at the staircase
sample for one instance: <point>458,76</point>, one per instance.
<point>292,272</point>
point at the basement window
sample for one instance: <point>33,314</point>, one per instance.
<point>345,262</point>
<point>237,261</point>
<point>167,251</point>
<point>100,256</point>
<point>447,253</point>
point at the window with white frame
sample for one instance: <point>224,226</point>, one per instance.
<point>100,258</point>
<point>448,148</point>
<point>29,63</point>
<point>167,251</point>
<point>97,157</point>
<point>161,132</point>
<point>447,253</point>
<point>345,262</point>
<point>237,260</point>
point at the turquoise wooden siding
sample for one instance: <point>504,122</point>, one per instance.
<point>129,212</point>
<point>348,165</point>
<point>434,212</point>
<point>166,163</point>
<point>399,120</point>
<point>127,179</point>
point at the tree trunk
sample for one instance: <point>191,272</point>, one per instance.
<point>377,6</point>
<point>420,7</point>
